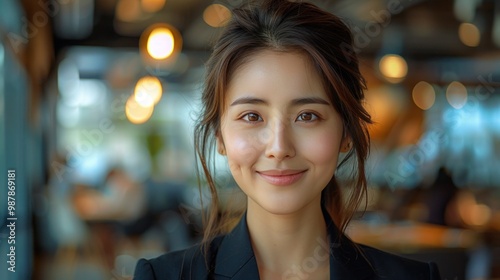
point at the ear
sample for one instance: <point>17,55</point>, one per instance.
<point>221,148</point>
<point>346,144</point>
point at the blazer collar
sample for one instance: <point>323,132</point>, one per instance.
<point>346,260</point>
<point>235,257</point>
<point>236,260</point>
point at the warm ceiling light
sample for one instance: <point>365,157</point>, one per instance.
<point>216,15</point>
<point>469,34</point>
<point>136,113</point>
<point>478,215</point>
<point>160,43</point>
<point>423,95</point>
<point>456,94</point>
<point>393,67</point>
<point>148,91</point>
<point>152,6</point>
<point>128,10</point>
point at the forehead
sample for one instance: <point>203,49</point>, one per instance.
<point>269,73</point>
<point>268,57</point>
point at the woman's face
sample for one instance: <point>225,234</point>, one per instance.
<point>280,132</point>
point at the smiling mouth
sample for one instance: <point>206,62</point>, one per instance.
<point>281,177</point>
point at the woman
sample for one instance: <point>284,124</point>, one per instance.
<point>282,100</point>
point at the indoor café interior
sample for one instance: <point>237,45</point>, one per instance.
<point>99,100</point>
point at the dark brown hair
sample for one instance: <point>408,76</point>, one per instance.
<point>285,26</point>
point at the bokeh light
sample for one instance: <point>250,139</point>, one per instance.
<point>469,34</point>
<point>480,214</point>
<point>68,79</point>
<point>68,116</point>
<point>160,43</point>
<point>128,10</point>
<point>393,67</point>
<point>152,6</point>
<point>456,94</point>
<point>216,15</point>
<point>136,113</point>
<point>423,95</point>
<point>471,212</point>
<point>148,91</point>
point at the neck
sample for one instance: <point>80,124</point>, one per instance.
<point>285,243</point>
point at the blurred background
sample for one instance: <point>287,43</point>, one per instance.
<point>97,104</point>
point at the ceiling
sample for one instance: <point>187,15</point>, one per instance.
<point>416,28</point>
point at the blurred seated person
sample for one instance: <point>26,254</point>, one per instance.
<point>121,199</point>
<point>135,207</point>
<point>426,204</point>
<point>439,197</point>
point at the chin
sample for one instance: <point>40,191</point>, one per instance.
<point>284,206</point>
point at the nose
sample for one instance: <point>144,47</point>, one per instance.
<point>279,143</point>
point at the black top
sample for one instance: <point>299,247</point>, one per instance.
<point>231,257</point>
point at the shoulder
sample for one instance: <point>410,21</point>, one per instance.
<point>185,264</point>
<point>167,266</point>
<point>390,266</point>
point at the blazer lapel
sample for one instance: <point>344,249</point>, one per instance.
<point>346,262</point>
<point>235,258</point>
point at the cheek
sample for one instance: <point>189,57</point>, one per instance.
<point>322,147</point>
<point>242,149</point>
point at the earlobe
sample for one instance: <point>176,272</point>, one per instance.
<point>221,149</point>
<point>346,144</point>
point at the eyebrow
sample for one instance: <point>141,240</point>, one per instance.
<point>309,100</point>
<point>294,102</point>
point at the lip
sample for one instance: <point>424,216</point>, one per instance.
<point>281,177</point>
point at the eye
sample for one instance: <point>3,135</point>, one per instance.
<point>307,117</point>
<point>252,117</point>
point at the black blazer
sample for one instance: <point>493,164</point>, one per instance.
<point>231,257</point>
